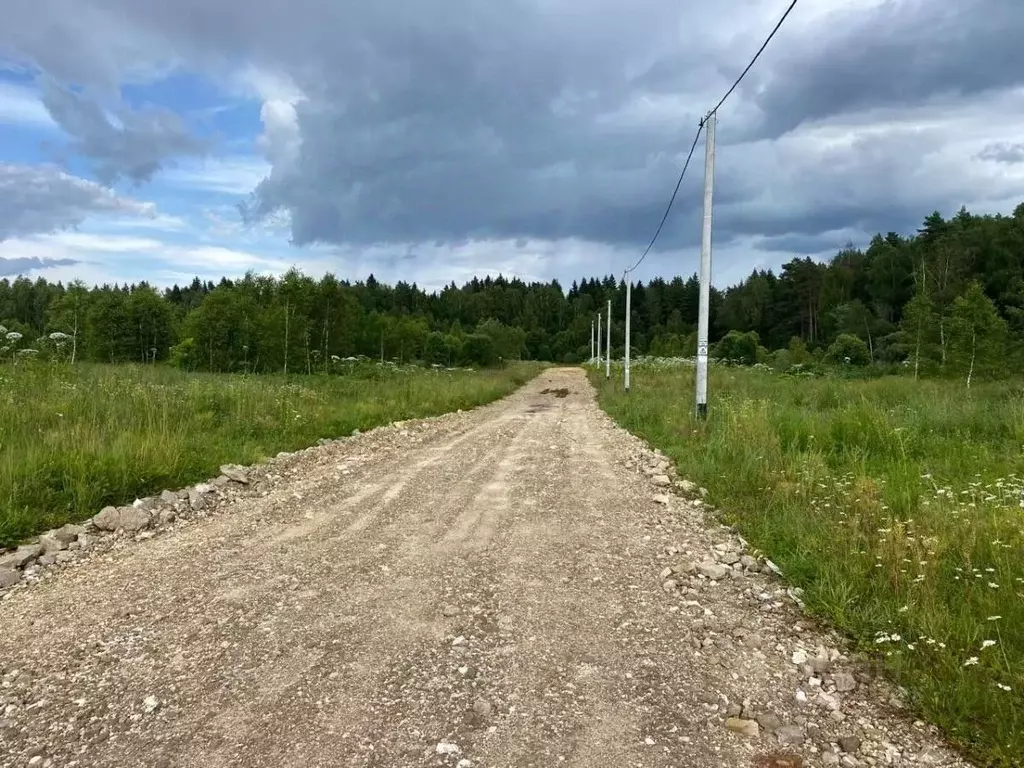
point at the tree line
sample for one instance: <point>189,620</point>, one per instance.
<point>948,298</point>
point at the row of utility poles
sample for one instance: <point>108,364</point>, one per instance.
<point>705,290</point>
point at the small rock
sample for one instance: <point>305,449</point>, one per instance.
<point>9,577</point>
<point>64,557</point>
<point>712,570</point>
<point>236,473</point>
<point>670,585</point>
<point>660,498</point>
<point>68,533</point>
<point>446,748</point>
<point>849,761</point>
<point>849,743</point>
<point>48,560</point>
<point>459,641</point>
<point>151,704</point>
<point>728,558</point>
<point>687,486</point>
<point>820,664</point>
<point>750,563</point>
<point>50,543</point>
<point>830,758</point>
<point>167,516</point>
<point>790,734</point>
<point>844,682</point>
<point>21,557</point>
<point>464,763</point>
<point>450,610</point>
<point>799,657</point>
<point>743,727</point>
<point>482,707</point>
<point>131,519</point>
<point>769,721</point>
<point>735,709</point>
<point>667,572</point>
<point>661,481</point>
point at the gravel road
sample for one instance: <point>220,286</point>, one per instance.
<point>494,588</point>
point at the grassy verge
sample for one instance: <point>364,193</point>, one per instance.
<point>75,439</point>
<point>896,505</point>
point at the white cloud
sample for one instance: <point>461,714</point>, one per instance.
<point>22,106</point>
<point>232,174</point>
<point>36,199</point>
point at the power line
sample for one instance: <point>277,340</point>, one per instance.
<point>757,55</point>
<point>713,111</point>
<point>671,200</point>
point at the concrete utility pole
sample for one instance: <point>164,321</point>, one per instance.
<point>608,352</point>
<point>629,291</point>
<point>591,341</point>
<point>598,338</point>
<point>705,271</point>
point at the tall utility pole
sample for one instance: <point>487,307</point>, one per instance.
<point>598,338</point>
<point>629,286</point>
<point>705,271</point>
<point>608,342</point>
<point>591,341</point>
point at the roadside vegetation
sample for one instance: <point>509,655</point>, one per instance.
<point>76,438</point>
<point>896,504</point>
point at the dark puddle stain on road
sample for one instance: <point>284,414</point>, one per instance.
<point>563,392</point>
<point>778,761</point>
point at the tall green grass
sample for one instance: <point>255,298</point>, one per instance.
<point>896,504</point>
<point>73,439</point>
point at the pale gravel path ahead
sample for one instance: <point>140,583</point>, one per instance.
<point>310,627</point>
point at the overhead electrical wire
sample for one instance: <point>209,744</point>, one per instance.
<point>700,128</point>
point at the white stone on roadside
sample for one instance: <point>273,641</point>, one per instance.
<point>748,728</point>
<point>151,704</point>
<point>713,570</point>
<point>447,748</point>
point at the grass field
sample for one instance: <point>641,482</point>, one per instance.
<point>75,439</point>
<point>896,505</point>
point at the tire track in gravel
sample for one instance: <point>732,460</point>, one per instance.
<point>488,585</point>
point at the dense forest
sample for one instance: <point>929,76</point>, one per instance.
<point>948,298</point>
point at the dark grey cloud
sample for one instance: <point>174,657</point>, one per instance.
<point>1004,152</point>
<point>24,265</point>
<point>901,53</point>
<point>135,148</point>
<point>37,200</point>
<point>448,120</point>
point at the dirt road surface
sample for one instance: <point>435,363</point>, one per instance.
<point>484,589</point>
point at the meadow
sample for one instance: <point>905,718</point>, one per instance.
<point>897,505</point>
<point>76,438</point>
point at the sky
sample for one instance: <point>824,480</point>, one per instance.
<point>438,140</point>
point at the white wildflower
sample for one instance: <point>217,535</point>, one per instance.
<point>971,661</point>
<point>987,644</point>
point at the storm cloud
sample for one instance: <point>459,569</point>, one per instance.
<point>444,121</point>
